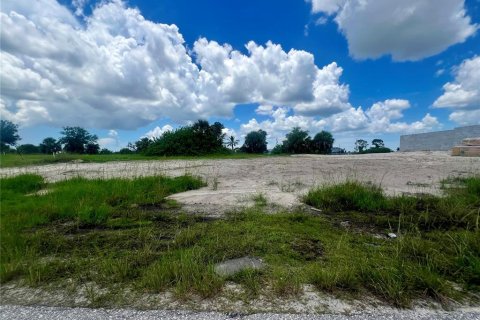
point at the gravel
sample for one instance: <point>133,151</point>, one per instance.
<point>52,313</point>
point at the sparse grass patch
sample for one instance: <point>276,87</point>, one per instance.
<point>97,233</point>
<point>17,160</point>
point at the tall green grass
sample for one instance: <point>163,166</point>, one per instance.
<point>459,208</point>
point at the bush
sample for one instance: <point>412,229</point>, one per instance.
<point>298,141</point>
<point>255,142</point>
<point>377,150</point>
<point>198,139</point>
<point>350,195</point>
<point>28,149</point>
<point>126,151</point>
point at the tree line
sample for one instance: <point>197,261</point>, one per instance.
<point>73,140</point>
<point>199,138</point>
<point>378,146</point>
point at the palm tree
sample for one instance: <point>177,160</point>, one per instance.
<point>232,142</point>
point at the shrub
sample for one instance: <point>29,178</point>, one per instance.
<point>197,139</point>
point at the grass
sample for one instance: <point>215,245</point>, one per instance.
<point>125,233</point>
<point>17,160</point>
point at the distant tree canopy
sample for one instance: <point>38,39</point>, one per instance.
<point>197,139</point>
<point>377,150</point>
<point>361,145</point>
<point>92,148</point>
<point>232,142</point>
<point>78,140</point>
<point>28,149</point>
<point>142,145</point>
<point>8,135</point>
<point>50,145</point>
<point>126,151</point>
<point>255,142</point>
<point>378,143</point>
<point>323,142</point>
<point>299,141</point>
<point>105,151</point>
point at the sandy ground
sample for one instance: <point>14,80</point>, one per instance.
<point>52,313</point>
<point>232,183</point>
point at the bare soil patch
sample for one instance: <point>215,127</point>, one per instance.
<point>232,183</point>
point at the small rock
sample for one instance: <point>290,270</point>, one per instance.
<point>392,235</point>
<point>40,192</point>
<point>230,267</point>
<point>77,161</point>
<point>313,209</point>
<point>345,224</point>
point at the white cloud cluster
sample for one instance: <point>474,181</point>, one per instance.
<point>381,117</point>
<point>269,75</point>
<point>111,141</point>
<point>406,30</point>
<point>327,6</point>
<point>463,94</point>
<point>158,131</point>
<point>115,69</point>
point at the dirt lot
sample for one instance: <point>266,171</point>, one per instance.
<point>233,183</point>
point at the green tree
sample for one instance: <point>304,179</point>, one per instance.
<point>143,144</point>
<point>76,139</point>
<point>105,151</point>
<point>298,141</point>
<point>361,145</point>
<point>323,142</point>
<point>28,149</point>
<point>278,149</point>
<point>126,151</point>
<point>232,142</point>
<point>378,143</point>
<point>92,148</point>
<point>197,139</point>
<point>50,145</point>
<point>255,142</point>
<point>8,135</point>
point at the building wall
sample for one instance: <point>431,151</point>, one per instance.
<point>436,141</point>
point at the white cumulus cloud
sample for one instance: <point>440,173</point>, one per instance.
<point>464,91</point>
<point>381,117</point>
<point>109,142</point>
<point>269,75</point>
<point>463,94</point>
<point>406,29</point>
<point>158,131</point>
<point>116,69</point>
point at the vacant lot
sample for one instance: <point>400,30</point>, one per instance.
<point>106,241</point>
<point>232,182</point>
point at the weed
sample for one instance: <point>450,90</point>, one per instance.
<point>260,200</point>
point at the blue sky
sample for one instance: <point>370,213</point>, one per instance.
<point>377,70</point>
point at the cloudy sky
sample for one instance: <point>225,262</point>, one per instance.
<point>126,69</point>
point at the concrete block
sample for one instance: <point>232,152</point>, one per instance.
<point>230,267</point>
<point>466,151</point>
<point>471,141</point>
